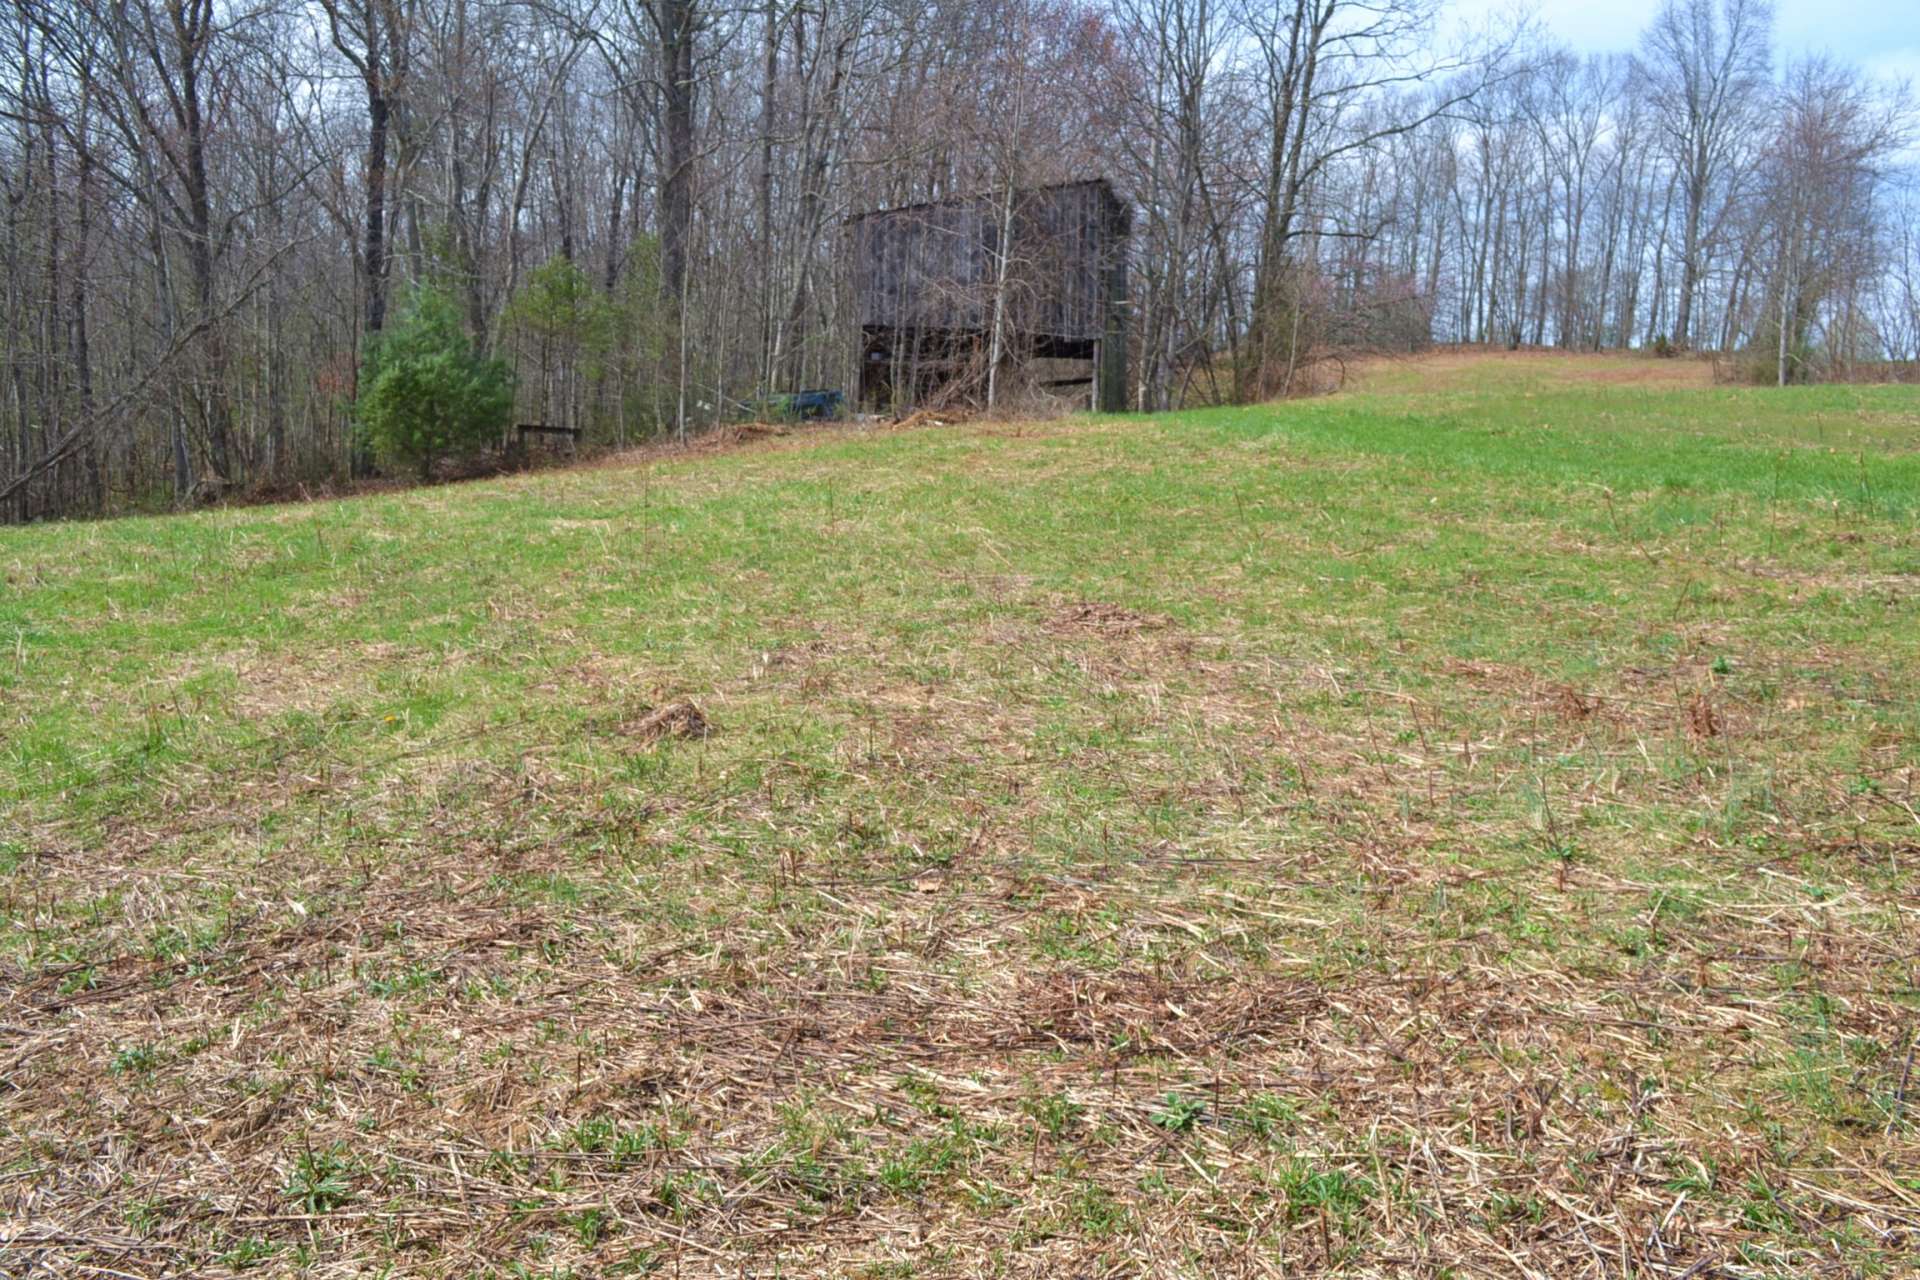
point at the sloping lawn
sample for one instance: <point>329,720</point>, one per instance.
<point>1465,826</point>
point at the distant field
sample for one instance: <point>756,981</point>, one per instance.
<point>1466,826</point>
<point>1487,370</point>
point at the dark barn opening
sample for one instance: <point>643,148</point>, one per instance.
<point>946,315</point>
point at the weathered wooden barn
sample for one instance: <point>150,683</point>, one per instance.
<point>933,284</point>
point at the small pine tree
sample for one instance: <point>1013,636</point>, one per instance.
<point>560,307</point>
<point>568,322</point>
<point>425,391</point>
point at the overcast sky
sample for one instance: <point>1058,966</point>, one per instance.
<point>1882,36</point>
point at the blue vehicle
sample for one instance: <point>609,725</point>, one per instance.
<point>807,406</point>
<point>816,406</point>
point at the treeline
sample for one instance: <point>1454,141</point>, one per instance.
<point>214,207</point>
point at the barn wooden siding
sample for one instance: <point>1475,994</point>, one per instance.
<point>934,266</point>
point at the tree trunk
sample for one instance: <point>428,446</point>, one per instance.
<point>676,23</point>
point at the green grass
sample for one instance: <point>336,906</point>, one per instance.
<point>1433,822</point>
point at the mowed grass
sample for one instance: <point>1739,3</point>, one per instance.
<point>1463,826</point>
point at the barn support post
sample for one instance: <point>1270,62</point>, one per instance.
<point>1110,373</point>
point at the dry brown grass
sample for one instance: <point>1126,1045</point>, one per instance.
<point>1469,1082</point>
<point>1471,368</point>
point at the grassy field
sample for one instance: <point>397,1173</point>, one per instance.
<point>1465,826</point>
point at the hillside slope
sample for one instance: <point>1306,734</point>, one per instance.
<point>1465,823</point>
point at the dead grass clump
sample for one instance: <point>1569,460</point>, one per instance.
<point>1702,720</point>
<point>675,720</point>
<point>1488,674</point>
<point>933,418</point>
<point>760,430</point>
<point>1094,615</point>
<point>1137,1012</point>
<point>1574,705</point>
